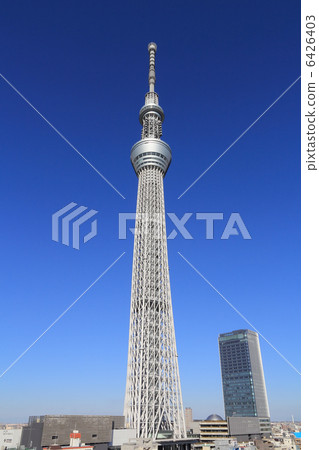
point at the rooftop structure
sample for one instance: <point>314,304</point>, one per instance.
<point>214,417</point>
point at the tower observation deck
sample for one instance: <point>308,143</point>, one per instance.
<point>153,400</point>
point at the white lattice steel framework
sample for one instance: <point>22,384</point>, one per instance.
<point>153,399</point>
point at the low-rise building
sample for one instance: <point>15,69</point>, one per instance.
<point>214,427</point>
<point>10,438</point>
<point>225,444</point>
<point>49,430</point>
<point>249,428</point>
<point>194,428</point>
<point>122,436</point>
<point>75,443</point>
<point>277,443</point>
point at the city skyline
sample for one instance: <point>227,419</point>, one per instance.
<point>75,65</point>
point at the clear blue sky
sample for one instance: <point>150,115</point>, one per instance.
<point>84,66</point>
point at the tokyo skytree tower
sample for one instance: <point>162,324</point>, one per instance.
<point>153,398</point>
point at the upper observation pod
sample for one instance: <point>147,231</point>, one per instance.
<point>151,150</point>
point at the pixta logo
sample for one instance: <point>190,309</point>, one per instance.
<point>234,227</point>
<point>76,213</point>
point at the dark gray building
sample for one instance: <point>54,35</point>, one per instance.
<point>44,431</point>
<point>248,428</point>
<point>243,382</point>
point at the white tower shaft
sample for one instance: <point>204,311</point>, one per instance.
<point>153,400</point>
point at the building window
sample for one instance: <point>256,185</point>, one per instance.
<point>94,435</point>
<point>55,437</point>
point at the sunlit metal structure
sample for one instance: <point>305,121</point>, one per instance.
<point>153,399</point>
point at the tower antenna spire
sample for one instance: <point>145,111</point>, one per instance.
<point>152,47</point>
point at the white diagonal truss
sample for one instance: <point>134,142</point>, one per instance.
<point>153,400</point>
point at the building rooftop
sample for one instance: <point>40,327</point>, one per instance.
<point>214,417</point>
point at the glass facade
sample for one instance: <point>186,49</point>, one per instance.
<point>242,375</point>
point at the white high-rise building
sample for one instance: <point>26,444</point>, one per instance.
<point>153,399</point>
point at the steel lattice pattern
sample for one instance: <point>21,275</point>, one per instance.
<point>153,395</point>
<point>153,399</point>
